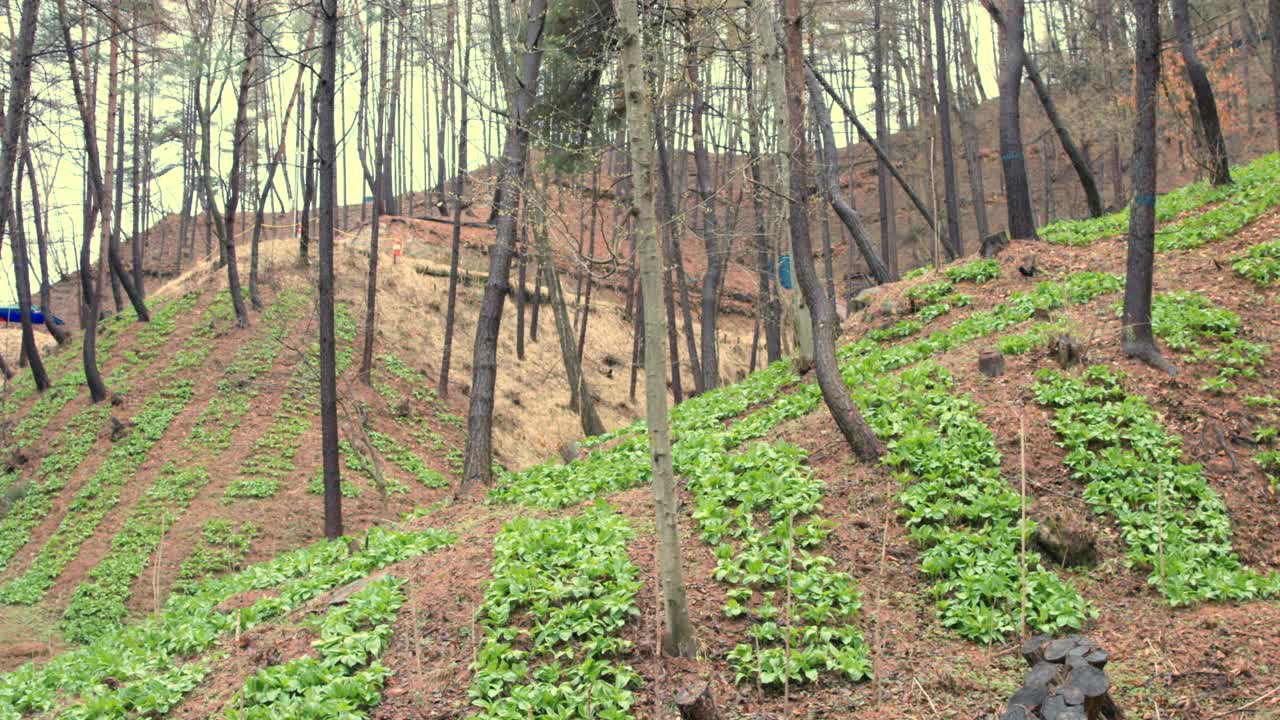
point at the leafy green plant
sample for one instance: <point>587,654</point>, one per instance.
<point>222,547</point>
<point>145,669</point>
<point>1260,263</point>
<point>1187,321</point>
<point>1175,525</point>
<point>344,679</point>
<point>974,271</point>
<point>551,620</point>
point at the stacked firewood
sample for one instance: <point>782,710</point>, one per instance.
<point>1067,681</point>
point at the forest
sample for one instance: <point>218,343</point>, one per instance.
<point>609,359</point>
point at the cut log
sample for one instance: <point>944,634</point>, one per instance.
<point>1095,687</point>
<point>1058,649</point>
<point>1029,697</point>
<point>1053,708</point>
<point>991,363</point>
<point>695,702</point>
<point>1043,674</point>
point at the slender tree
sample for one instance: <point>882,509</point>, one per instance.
<point>1273,23</point>
<point>478,460</point>
<point>954,245</point>
<point>766,294</point>
<point>42,243</point>
<point>455,246</point>
<point>1206,104</point>
<point>888,230</point>
<point>678,639</point>
<point>327,152</point>
<point>709,357</point>
<point>1138,339</point>
<point>20,63</point>
<point>847,417</point>
<point>1018,193</point>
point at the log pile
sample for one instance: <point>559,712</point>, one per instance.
<point>1067,681</point>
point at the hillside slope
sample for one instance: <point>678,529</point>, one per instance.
<point>878,590</point>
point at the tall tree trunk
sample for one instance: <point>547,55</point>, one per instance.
<point>1078,161</point>
<point>888,229</point>
<point>240,138</point>
<point>456,240</point>
<point>1206,105</point>
<point>847,417</point>
<point>478,461</point>
<point>830,185</point>
<point>17,235</point>
<point>766,296</point>
<point>328,199</point>
<point>138,157</point>
<point>881,153</point>
<point>100,180</point>
<point>1273,22</point>
<point>42,242</point>
<point>678,639</point>
<point>1137,336</point>
<point>578,389</point>
<point>954,244</point>
<point>709,358</point>
<point>309,186</point>
<point>666,214</point>
<point>1022,222</point>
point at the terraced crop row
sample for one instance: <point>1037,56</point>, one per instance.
<point>1204,333</point>
<point>98,603</point>
<point>221,548</point>
<point>71,447</point>
<point>759,509</point>
<point>271,458</point>
<point>1175,525</point>
<point>1260,173</point>
<point>344,679</point>
<point>1260,263</point>
<point>144,670</point>
<point>551,620</point>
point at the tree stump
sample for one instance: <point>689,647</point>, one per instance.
<point>695,702</point>
<point>994,243</point>
<point>1067,539</point>
<point>1066,682</point>
<point>991,363</point>
<point>1068,351</point>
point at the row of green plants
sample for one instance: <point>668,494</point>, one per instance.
<point>1185,199</point>
<point>145,669</point>
<point>239,384</point>
<point>1174,524</point>
<point>99,494</point>
<point>1205,333</point>
<point>932,300</point>
<point>1255,191</point>
<point>271,459</point>
<point>964,515</point>
<point>221,548</point>
<point>71,447</point>
<point>64,361</point>
<point>620,459</point>
<point>407,415</point>
<point>98,603</point>
<point>1039,335</point>
<point>1260,263</point>
<point>344,679</point>
<point>759,510</point>
<point>552,617</point>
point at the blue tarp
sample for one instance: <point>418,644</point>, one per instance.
<point>13,314</point>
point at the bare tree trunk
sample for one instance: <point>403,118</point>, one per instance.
<point>954,244</point>
<point>1022,222</point>
<point>328,199</point>
<point>138,157</point>
<point>477,465</point>
<point>1137,336</point>
<point>830,185</point>
<point>766,297</point>
<point>13,206</point>
<point>309,186</point>
<point>666,213</point>
<point>240,137</point>
<point>847,417</point>
<point>678,639</point>
<point>1206,105</point>
<point>37,219</point>
<point>100,179</point>
<point>456,241</point>
<point>888,229</point>
<point>1078,161</point>
<point>578,390</point>
<point>1273,22</point>
<point>709,358</point>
